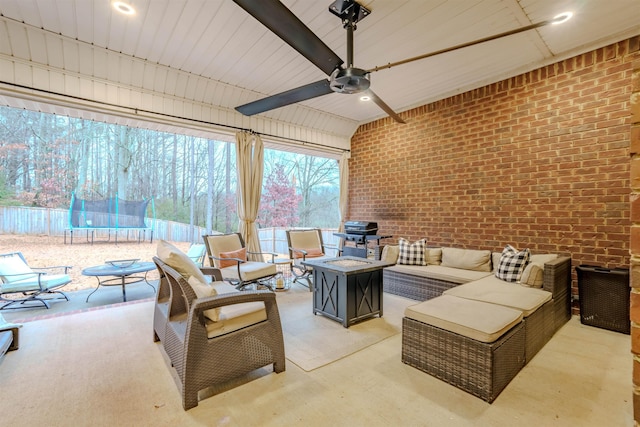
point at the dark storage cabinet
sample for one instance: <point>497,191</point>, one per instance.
<point>604,297</point>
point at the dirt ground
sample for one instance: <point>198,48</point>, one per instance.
<point>46,251</point>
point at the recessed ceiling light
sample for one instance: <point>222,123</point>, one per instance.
<point>123,7</point>
<point>563,17</point>
<point>365,98</point>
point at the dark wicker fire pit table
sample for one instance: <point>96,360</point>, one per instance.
<point>347,289</point>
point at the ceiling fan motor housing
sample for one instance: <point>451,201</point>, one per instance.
<point>349,80</point>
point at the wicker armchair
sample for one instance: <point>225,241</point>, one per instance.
<point>205,353</point>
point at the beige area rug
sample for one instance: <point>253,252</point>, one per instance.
<point>312,341</point>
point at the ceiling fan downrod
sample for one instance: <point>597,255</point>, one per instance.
<point>352,79</point>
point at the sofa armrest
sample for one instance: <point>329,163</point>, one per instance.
<point>557,276</point>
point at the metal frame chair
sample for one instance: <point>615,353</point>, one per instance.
<point>242,273</point>
<point>9,336</point>
<point>301,242</point>
<point>26,284</point>
<point>197,253</point>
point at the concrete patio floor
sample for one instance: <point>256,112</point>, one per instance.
<point>105,295</point>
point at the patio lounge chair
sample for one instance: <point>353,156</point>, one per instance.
<point>197,252</point>
<point>8,336</point>
<point>20,284</point>
<point>228,253</point>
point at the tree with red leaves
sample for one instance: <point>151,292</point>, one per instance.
<point>279,202</point>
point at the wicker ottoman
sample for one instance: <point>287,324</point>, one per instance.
<point>475,346</point>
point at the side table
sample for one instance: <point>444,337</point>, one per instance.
<point>122,273</point>
<point>282,280</point>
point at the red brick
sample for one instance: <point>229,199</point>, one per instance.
<point>635,108</point>
<point>635,339</point>
<point>540,160</point>
<point>634,200</point>
<point>635,307</point>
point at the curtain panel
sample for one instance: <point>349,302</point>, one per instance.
<point>250,161</point>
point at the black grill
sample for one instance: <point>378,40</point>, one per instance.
<point>361,228</point>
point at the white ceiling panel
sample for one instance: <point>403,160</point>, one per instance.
<point>213,52</point>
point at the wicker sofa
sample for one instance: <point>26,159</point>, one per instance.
<point>473,329</point>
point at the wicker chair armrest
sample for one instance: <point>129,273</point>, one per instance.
<point>214,272</point>
<point>557,276</point>
<point>202,304</point>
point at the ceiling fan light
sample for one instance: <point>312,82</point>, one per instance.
<point>562,18</point>
<point>349,80</point>
<point>123,8</point>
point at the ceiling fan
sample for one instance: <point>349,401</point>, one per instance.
<point>349,80</point>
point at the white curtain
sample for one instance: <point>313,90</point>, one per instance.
<point>250,161</point>
<point>343,202</point>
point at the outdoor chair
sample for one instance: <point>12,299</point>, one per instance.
<point>228,253</point>
<point>303,245</point>
<point>165,304</point>
<point>246,334</point>
<point>8,336</point>
<point>20,284</point>
<point>197,252</point>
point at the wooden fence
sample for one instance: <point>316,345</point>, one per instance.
<point>53,222</point>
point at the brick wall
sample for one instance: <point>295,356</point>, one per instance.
<point>635,237</point>
<point>540,160</point>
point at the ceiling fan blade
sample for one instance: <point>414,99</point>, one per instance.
<point>460,46</point>
<point>302,93</point>
<point>380,103</point>
<point>282,22</point>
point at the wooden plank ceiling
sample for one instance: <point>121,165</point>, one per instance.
<point>239,60</point>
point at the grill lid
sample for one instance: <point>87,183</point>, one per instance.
<point>360,227</point>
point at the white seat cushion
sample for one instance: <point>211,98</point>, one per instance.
<point>474,319</point>
<point>223,287</point>
<point>12,266</point>
<point>448,274</point>
<point>236,316</point>
<point>203,290</point>
<point>250,270</point>
<point>179,261</point>
<point>47,281</point>
<point>496,291</point>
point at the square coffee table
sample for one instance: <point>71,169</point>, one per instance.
<point>347,289</point>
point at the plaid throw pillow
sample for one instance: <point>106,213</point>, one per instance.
<point>412,253</point>
<point>512,263</point>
